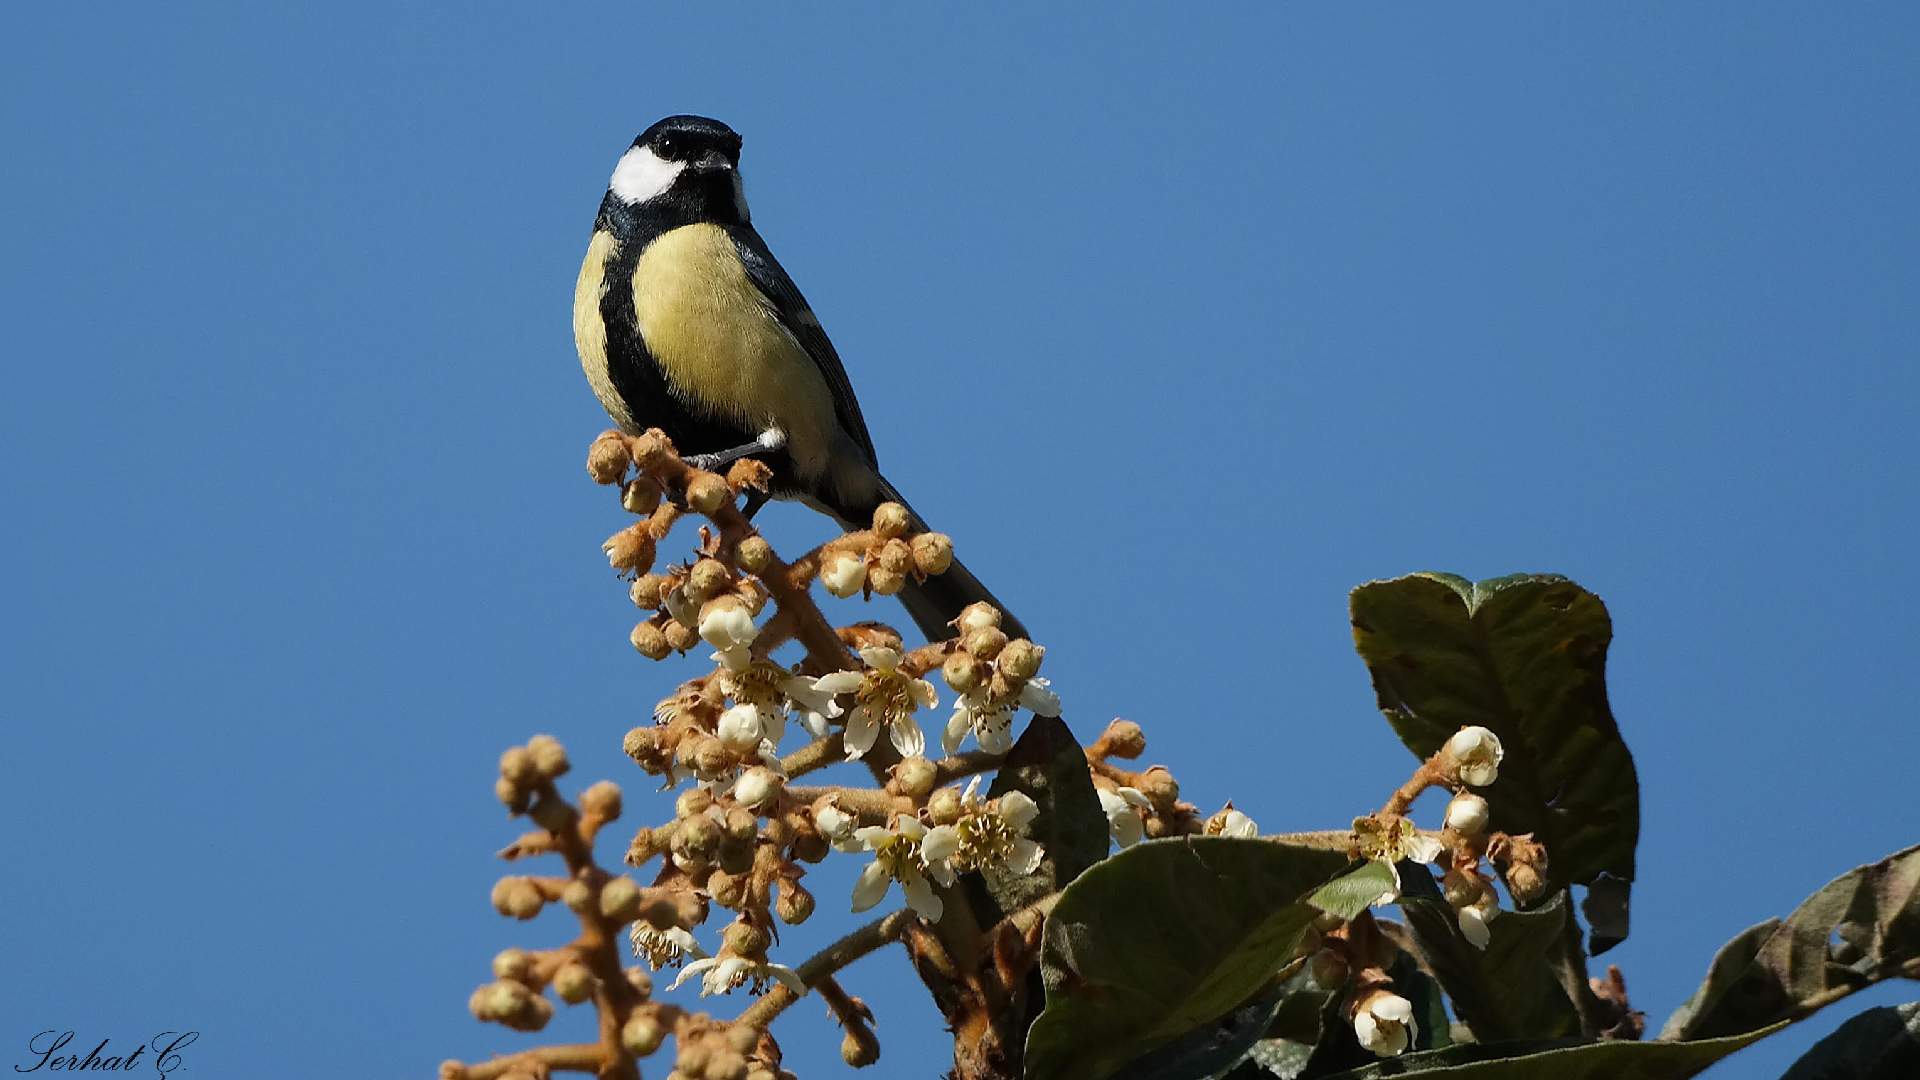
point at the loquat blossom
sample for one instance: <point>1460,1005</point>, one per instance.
<point>721,975</point>
<point>1123,807</point>
<point>1476,754</point>
<point>988,837</point>
<point>1384,1023</point>
<point>884,696</point>
<point>1231,822</point>
<point>662,948</point>
<point>896,857</point>
<point>1389,840</point>
<point>991,722</point>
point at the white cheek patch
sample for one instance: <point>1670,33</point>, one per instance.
<point>643,175</point>
<point>740,198</point>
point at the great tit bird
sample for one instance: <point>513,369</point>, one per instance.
<point>685,322</point>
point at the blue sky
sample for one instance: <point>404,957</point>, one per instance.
<point>1183,324</point>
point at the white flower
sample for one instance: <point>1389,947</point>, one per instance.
<point>989,838</point>
<point>896,857</point>
<point>1037,699</point>
<point>1473,926</point>
<point>1476,753</point>
<point>1389,840</point>
<point>723,974</point>
<point>1231,822</point>
<point>837,826</point>
<point>773,690</point>
<point>844,574</point>
<point>743,727</point>
<point>727,626</point>
<point>1384,1023</point>
<point>813,706</point>
<point>1123,813</point>
<point>991,722</point>
<point>883,696</point>
<point>1468,814</point>
<point>662,948</point>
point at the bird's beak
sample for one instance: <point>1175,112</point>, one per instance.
<point>713,161</point>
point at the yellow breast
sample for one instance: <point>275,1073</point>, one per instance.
<point>720,346</point>
<point>590,327</point>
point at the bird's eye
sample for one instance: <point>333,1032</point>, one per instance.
<point>668,146</point>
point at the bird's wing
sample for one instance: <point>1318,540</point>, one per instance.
<point>784,299</point>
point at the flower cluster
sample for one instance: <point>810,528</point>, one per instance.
<point>993,677</point>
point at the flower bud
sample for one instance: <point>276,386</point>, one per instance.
<point>844,573</point>
<point>511,794</point>
<point>708,579</point>
<point>1468,814</point>
<point>932,553</point>
<point>697,837</point>
<point>607,458</point>
<point>693,1057</point>
<point>548,756</point>
<point>649,642</point>
<point>752,595</point>
<point>890,519</point>
<point>513,965</point>
<point>712,759</point>
<point>1383,1021</point>
<point>727,890</point>
<point>649,591</point>
<point>886,582</point>
<point>1476,754</point>
<point>794,903</point>
<point>620,899</point>
<point>497,1001</point>
<point>985,642</point>
<point>641,980</point>
<point>810,845</point>
<point>916,776</point>
<point>745,939</point>
<point>726,1064</point>
<point>1124,739</point>
<point>740,729</point>
<point>860,1049</point>
<point>578,895</point>
<point>1525,882</point>
<point>978,616</point>
<point>692,803</point>
<point>833,822</point>
<point>573,982</point>
<point>650,449</point>
<point>517,765</point>
<point>630,549</point>
<point>679,636</point>
<point>642,1035</point>
<point>757,787</point>
<point>741,825</point>
<point>708,493</point>
<point>1159,786</point>
<point>897,556</point>
<point>725,623</point>
<point>643,745</point>
<point>553,815</point>
<point>962,672</point>
<point>754,554</point>
<point>1020,659</point>
<point>640,496</point>
<point>517,898</point>
<point>1461,888</point>
<point>944,807</point>
<point>602,800</point>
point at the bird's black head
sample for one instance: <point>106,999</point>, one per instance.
<point>683,168</point>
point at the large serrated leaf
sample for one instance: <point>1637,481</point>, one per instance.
<point>1788,969</point>
<point>1161,939</point>
<point>1610,1060</point>
<point>1509,990</point>
<point>1879,1044</point>
<point>1526,657</point>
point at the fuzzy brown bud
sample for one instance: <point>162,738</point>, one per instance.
<point>708,579</point>
<point>642,744</point>
<point>977,615</point>
<point>985,642</point>
<point>727,890</point>
<point>641,980</point>
<point>754,554</point>
<point>640,497</point>
<point>608,459</point>
<point>512,795</point>
<point>1123,739</point>
<point>697,837</point>
<point>794,904</point>
<point>552,814</point>
<point>517,898</point>
<point>692,803</point>
<point>620,899</point>
<point>646,843</point>
<point>932,553</point>
<point>1525,882</point>
<point>896,556</point>
<point>1021,659</point>
<point>649,641</point>
<point>707,493</point>
<point>1159,786</point>
<point>602,800</point>
<point>964,673</point>
<point>573,982</point>
<point>745,939</point>
<point>693,1057</point>
<point>649,591</point>
<point>885,582</point>
<point>890,519</point>
<point>860,1049</point>
<point>742,826</point>
<point>650,450</point>
<point>809,844</point>
<point>517,766</point>
<point>642,1035</point>
<point>916,776</point>
<point>513,965</point>
<point>630,549</point>
<point>726,1064</point>
<point>578,895</point>
<point>548,756</point>
<point>680,637</point>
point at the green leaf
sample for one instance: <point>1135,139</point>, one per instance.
<point>1509,991</point>
<point>1879,1044</point>
<point>1161,939</point>
<point>1208,1049</point>
<point>1524,656</point>
<point>1549,1060</point>
<point>1049,766</point>
<point>1788,970</point>
<point>1353,892</point>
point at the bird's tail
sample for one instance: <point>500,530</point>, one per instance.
<point>936,602</point>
